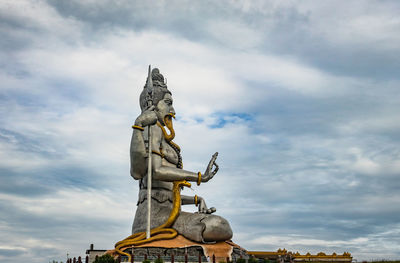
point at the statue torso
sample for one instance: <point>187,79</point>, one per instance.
<point>170,158</point>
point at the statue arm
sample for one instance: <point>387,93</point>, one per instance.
<point>167,173</point>
<point>188,200</point>
<point>170,174</point>
<point>191,200</point>
<point>138,154</point>
<point>138,151</point>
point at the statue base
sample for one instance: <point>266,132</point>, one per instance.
<point>181,249</point>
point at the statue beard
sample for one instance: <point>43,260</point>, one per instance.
<point>168,123</point>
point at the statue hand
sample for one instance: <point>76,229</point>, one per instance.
<point>147,118</point>
<point>203,207</point>
<point>209,173</point>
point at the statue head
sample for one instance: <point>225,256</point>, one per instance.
<point>158,90</point>
<point>159,95</point>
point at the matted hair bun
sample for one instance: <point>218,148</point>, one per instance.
<point>158,90</point>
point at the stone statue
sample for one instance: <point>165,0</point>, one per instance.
<point>166,167</point>
<point>156,163</point>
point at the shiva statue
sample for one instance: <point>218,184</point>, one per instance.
<point>166,168</point>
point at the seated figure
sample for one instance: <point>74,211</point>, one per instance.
<point>157,113</point>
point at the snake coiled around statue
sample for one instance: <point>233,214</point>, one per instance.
<point>169,137</point>
<point>161,232</point>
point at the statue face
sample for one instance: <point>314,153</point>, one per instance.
<point>164,109</point>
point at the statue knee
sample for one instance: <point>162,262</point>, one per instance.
<point>217,229</point>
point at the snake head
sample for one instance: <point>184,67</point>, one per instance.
<point>181,184</point>
<point>171,114</point>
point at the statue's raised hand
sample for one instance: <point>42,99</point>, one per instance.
<point>148,117</point>
<point>209,173</point>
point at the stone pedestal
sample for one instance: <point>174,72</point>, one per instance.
<point>181,249</point>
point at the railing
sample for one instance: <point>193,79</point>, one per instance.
<point>172,258</point>
<point>77,260</point>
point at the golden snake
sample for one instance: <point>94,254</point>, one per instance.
<point>162,232</point>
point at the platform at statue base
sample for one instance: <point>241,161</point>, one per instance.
<point>181,249</point>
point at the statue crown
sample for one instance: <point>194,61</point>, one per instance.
<point>154,90</point>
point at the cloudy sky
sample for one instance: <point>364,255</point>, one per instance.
<point>301,100</point>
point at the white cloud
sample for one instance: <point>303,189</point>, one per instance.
<point>71,94</point>
<point>74,203</point>
<point>237,35</point>
<point>36,18</point>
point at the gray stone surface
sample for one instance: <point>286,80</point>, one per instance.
<point>156,104</point>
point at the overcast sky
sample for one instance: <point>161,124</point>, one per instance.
<point>300,99</point>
